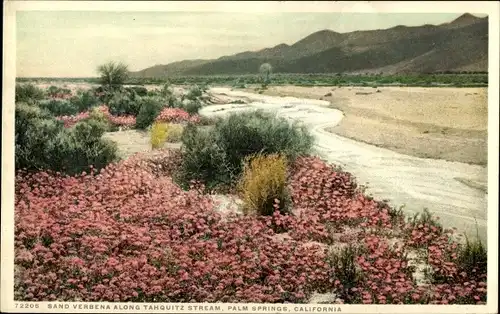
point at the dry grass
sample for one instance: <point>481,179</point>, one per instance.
<point>158,134</point>
<point>174,132</point>
<point>263,182</point>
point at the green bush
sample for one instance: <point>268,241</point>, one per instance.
<point>34,129</point>
<point>235,137</point>
<point>247,133</point>
<point>203,159</point>
<point>124,103</point>
<point>194,93</point>
<point>52,91</point>
<point>150,109</point>
<point>27,115</point>
<point>89,130</point>
<point>153,93</point>
<point>173,102</point>
<point>59,107</point>
<point>113,75</point>
<point>28,93</point>
<point>42,143</point>
<point>192,106</point>
<point>72,153</point>
<point>139,90</point>
<point>84,100</point>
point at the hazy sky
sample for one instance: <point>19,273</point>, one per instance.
<point>74,43</point>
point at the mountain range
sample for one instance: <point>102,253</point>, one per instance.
<point>461,45</point>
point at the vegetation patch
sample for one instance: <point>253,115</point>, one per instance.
<point>145,229</point>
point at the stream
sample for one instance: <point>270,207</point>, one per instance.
<point>414,182</point>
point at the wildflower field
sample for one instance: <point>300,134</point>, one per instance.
<point>148,228</point>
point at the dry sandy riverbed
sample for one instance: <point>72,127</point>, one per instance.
<point>438,123</point>
<point>439,185</point>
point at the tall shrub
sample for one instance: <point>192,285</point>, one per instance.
<point>247,133</point>
<point>150,109</point>
<point>124,103</point>
<point>203,160</point>
<point>113,74</point>
<point>84,100</point>
<point>34,129</point>
<point>194,93</point>
<point>192,106</point>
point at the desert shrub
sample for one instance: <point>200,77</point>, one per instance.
<point>89,130</point>
<point>174,132</point>
<point>397,215</point>
<point>203,87</point>
<point>81,148</point>
<point>237,101</point>
<point>28,93</point>
<point>425,219</point>
<point>158,135</point>
<point>192,107</point>
<point>243,134</point>
<point>139,90</point>
<point>263,184</point>
<point>84,100</point>
<point>53,91</point>
<point>123,103</point>
<point>59,107</point>
<point>247,133</point>
<point>42,143</point>
<point>153,93</point>
<point>113,75</point>
<point>34,128</point>
<point>150,109</point>
<point>174,102</point>
<point>203,160</point>
<point>194,93</point>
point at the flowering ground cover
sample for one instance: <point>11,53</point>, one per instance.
<point>129,233</point>
<point>176,115</point>
<point>125,121</point>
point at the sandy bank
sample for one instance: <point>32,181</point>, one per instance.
<point>438,123</point>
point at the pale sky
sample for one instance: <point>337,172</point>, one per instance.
<point>74,43</point>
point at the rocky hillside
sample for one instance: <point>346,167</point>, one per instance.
<point>461,45</point>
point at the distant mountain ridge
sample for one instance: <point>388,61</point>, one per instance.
<point>461,45</point>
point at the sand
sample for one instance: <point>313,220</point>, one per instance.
<point>438,123</point>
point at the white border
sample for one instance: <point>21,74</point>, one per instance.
<point>9,70</point>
